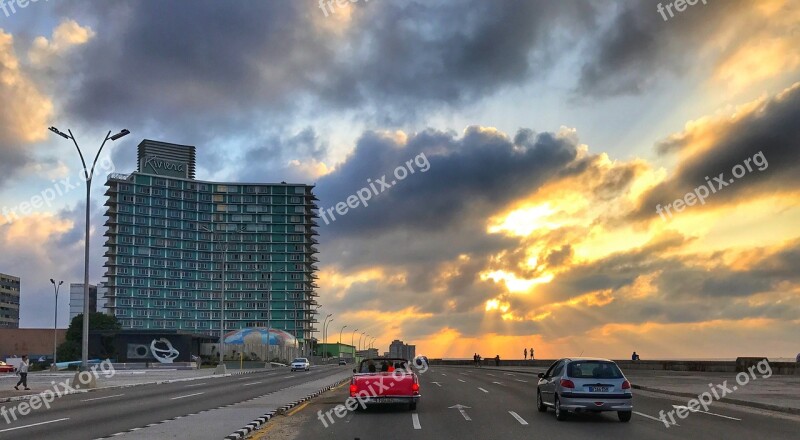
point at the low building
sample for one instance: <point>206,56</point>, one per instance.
<point>151,346</point>
<point>9,301</point>
<point>336,350</point>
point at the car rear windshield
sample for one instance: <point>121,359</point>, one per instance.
<point>593,370</point>
<point>298,360</point>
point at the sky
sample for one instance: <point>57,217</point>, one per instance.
<point>581,177</point>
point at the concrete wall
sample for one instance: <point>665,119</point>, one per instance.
<point>30,341</point>
<point>662,365</point>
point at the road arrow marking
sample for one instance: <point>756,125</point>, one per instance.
<point>461,409</point>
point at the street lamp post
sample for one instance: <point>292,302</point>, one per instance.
<point>325,337</point>
<point>359,339</point>
<point>89,174</point>
<point>352,339</point>
<point>56,288</point>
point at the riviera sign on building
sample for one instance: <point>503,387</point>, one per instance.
<point>169,236</point>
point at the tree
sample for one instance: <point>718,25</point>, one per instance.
<point>70,349</point>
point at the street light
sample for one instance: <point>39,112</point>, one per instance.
<point>325,335</point>
<point>359,339</point>
<point>56,288</point>
<point>89,174</point>
<point>352,337</point>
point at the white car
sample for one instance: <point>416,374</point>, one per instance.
<point>301,364</point>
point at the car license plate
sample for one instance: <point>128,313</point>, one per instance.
<point>598,389</point>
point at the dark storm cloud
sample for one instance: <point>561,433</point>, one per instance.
<point>638,48</point>
<point>479,172</point>
<point>261,61</point>
<point>430,53</point>
<point>771,130</point>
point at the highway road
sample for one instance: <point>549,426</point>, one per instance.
<point>103,413</point>
<point>469,403</point>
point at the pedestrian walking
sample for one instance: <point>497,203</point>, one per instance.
<point>531,353</point>
<point>23,373</point>
<point>497,360</point>
<point>525,354</point>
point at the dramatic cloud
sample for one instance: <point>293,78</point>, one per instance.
<point>741,42</point>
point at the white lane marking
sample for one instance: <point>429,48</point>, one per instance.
<point>519,419</point>
<point>34,424</point>
<point>415,421</point>
<point>650,417</point>
<point>252,383</point>
<point>461,409</point>
<point>705,412</point>
<point>188,395</point>
<point>101,398</point>
<point>437,383</point>
<point>520,380</point>
<point>509,374</point>
<point>498,383</point>
<point>288,377</point>
<point>462,380</point>
<point>444,374</point>
<point>490,374</point>
<point>195,385</point>
<point>482,390</point>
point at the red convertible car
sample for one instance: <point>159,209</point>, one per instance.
<point>385,380</point>
<point>5,368</point>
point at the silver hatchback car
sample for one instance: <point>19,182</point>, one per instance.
<point>584,384</point>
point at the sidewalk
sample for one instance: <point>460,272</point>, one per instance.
<point>776,393</point>
<point>235,421</point>
<point>41,381</point>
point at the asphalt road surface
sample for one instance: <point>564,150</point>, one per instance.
<point>469,403</point>
<point>106,412</point>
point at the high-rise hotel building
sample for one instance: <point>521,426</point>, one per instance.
<point>176,245</point>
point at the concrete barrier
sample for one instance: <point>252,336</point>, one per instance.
<point>787,368</point>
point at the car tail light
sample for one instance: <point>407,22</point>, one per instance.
<point>353,390</point>
<point>415,388</point>
<point>566,383</point>
<point>626,385</point>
